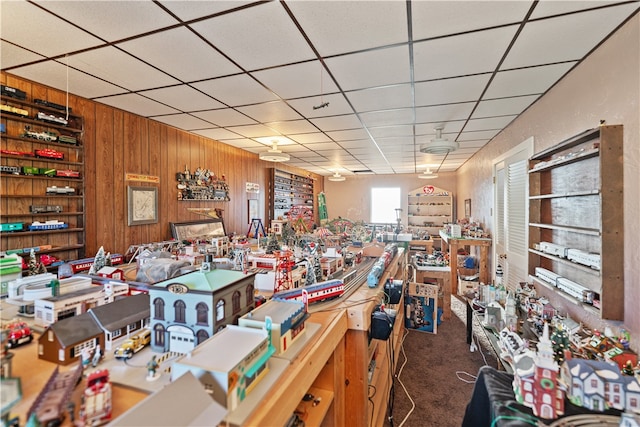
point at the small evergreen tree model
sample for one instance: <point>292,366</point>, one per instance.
<point>310,279</point>
<point>98,262</point>
<point>288,234</point>
<point>560,343</point>
<point>272,244</point>
<point>41,268</point>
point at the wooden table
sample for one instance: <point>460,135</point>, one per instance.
<point>454,244</point>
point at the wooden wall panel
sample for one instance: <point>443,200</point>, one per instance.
<point>117,142</point>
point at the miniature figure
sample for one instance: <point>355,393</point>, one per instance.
<point>86,357</point>
<point>97,355</point>
<point>152,366</point>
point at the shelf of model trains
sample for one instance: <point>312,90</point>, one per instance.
<point>581,230</point>
<point>564,261</point>
<point>43,196</point>
<point>313,408</point>
<point>37,105</point>
<point>56,249</point>
<point>43,142</point>
<point>37,232</point>
<point>41,159</point>
<point>58,178</point>
<point>45,124</point>
<point>587,307</point>
<point>42,214</point>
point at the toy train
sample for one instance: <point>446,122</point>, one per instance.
<point>49,153</point>
<point>318,292</point>
<point>12,92</point>
<point>53,224</point>
<point>10,169</point>
<point>575,255</point>
<point>31,170</point>
<point>41,136</point>
<point>569,287</point>
<point>50,118</point>
<point>53,190</point>
<point>45,208</point>
<point>390,251</point>
<point>14,110</point>
<point>17,153</point>
<point>11,226</point>
<point>51,105</point>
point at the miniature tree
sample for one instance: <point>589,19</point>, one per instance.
<point>310,279</point>
<point>98,261</point>
<point>288,234</point>
<point>272,244</point>
<point>560,343</point>
<point>41,268</point>
<point>107,260</point>
<point>33,263</point>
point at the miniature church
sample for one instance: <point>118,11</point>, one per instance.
<point>535,382</point>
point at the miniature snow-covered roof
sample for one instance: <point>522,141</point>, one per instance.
<point>581,368</point>
<point>205,281</point>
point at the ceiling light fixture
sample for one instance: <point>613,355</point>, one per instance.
<point>439,145</point>
<point>427,175</point>
<point>274,155</point>
<point>336,177</point>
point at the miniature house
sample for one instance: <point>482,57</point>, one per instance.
<point>287,321</point>
<point>229,375</point>
<point>188,309</point>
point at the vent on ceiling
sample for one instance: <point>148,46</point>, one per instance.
<point>363,172</point>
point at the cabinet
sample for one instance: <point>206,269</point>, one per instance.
<point>429,208</point>
<point>291,198</point>
<point>576,219</point>
<point>42,179</point>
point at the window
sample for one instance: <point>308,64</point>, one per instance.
<point>249,293</point>
<point>179,308</point>
<point>235,300</point>
<point>202,313</point>
<point>220,310</point>
<point>384,202</point>
<point>202,336</point>
<point>158,335</point>
<point>158,309</point>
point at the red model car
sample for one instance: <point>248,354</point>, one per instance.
<point>18,333</point>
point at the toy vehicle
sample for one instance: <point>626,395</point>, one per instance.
<point>53,224</point>
<point>45,208</point>
<point>318,292</point>
<point>96,399</point>
<point>42,136</point>
<point>50,104</point>
<point>18,333</point>
<point>133,344</point>
<point>68,173</point>
<point>61,190</point>
<point>12,226</point>
<point>10,169</point>
<point>49,153</point>
<point>14,110</point>
<point>51,118</point>
<point>16,153</point>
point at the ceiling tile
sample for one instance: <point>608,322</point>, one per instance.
<point>99,17</point>
<point>15,16</point>
<point>387,131</point>
<point>488,123</point>
<point>337,122</point>
<point>183,121</point>
<point>244,143</point>
<point>309,138</point>
<point>382,98</point>
<point>219,134</point>
<point>297,80</point>
<point>453,126</point>
<point>257,37</point>
<point>526,81</point>
<point>372,68</point>
<point>358,143</point>
<point>346,26</point>
<point>188,10</point>
<point>462,89</point>
<point>235,90</point>
<point>11,55</point>
<point>565,38</point>
<point>503,106</point>
<point>388,117</point>
<point>166,50</point>
<point>224,117</point>
<point>549,8</point>
<point>270,112</point>
<point>337,104</point>
<point>484,134</point>
<point>115,66</point>
<point>55,74</point>
<point>182,97</point>
<point>443,113</point>
<point>347,135</point>
<point>293,127</point>
<point>137,104</point>
<point>253,131</point>
<point>438,18</point>
<point>461,55</point>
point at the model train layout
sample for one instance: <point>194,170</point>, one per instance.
<point>318,292</point>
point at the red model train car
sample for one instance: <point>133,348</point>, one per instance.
<point>49,153</point>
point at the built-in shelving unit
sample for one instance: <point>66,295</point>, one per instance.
<point>429,209</point>
<point>31,188</point>
<point>290,195</point>
<point>576,218</point>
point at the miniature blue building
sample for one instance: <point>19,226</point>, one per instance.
<point>188,309</point>
<point>287,321</point>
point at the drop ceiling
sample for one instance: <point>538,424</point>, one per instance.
<point>345,86</point>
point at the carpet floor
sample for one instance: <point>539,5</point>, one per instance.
<point>435,374</point>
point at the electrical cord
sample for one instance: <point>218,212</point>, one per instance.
<point>406,392</point>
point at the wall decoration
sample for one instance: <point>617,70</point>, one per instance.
<point>467,208</point>
<point>142,205</point>
<point>203,184</point>
<point>253,187</point>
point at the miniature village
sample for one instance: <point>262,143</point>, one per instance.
<point>172,304</point>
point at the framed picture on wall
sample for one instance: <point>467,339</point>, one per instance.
<point>467,208</point>
<point>142,205</point>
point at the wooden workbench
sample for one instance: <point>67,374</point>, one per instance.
<point>454,245</point>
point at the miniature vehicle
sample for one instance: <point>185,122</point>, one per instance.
<point>10,169</point>
<point>96,399</point>
<point>49,153</point>
<point>14,110</point>
<point>51,118</point>
<point>317,292</point>
<point>53,224</point>
<point>13,92</point>
<point>133,344</point>
<point>45,208</point>
<point>50,104</point>
<point>42,136</point>
<point>59,190</point>
<point>18,333</point>
<point>12,226</point>
<point>68,173</point>
<point>16,153</point>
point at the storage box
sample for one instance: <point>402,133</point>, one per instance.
<point>422,311</point>
<point>465,286</point>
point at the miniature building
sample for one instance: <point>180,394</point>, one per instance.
<point>599,386</point>
<point>122,317</point>
<point>111,273</point>
<point>287,321</point>
<point>188,309</point>
<point>231,374</point>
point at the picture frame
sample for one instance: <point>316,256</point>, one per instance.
<point>467,208</point>
<point>142,205</point>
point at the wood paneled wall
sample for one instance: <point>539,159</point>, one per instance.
<point>117,142</point>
